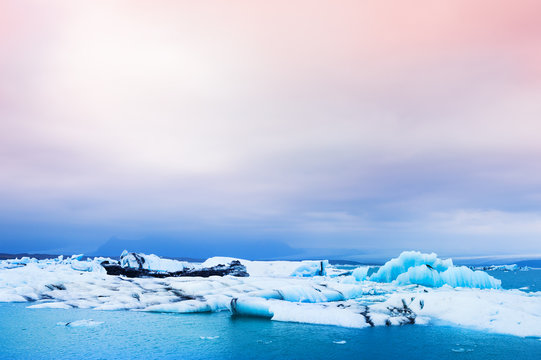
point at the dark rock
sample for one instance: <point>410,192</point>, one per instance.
<point>235,268</point>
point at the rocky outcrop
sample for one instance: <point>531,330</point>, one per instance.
<point>235,268</point>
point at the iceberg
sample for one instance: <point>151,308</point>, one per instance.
<point>150,262</point>
<point>141,265</point>
<point>360,273</point>
<point>415,268</point>
<point>454,276</point>
<point>408,259</point>
<point>311,268</point>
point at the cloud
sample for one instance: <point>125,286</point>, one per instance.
<point>314,124</point>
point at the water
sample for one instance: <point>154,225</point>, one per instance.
<point>34,334</point>
<point>525,280</point>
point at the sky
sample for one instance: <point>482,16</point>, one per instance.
<point>339,128</point>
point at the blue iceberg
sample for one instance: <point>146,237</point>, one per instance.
<point>415,268</point>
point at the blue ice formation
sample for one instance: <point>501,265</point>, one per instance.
<point>456,276</point>
<point>394,267</point>
<point>413,267</point>
<point>81,265</point>
<point>360,273</point>
<point>312,268</point>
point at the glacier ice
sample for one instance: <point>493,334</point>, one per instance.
<point>413,267</point>
<point>461,276</point>
<point>407,259</point>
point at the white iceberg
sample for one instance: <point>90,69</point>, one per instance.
<point>150,262</point>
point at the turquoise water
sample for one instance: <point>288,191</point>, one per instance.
<point>525,280</point>
<point>34,334</point>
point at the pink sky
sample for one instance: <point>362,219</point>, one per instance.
<point>130,116</point>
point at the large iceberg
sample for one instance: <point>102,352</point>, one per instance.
<point>413,267</point>
<point>408,259</point>
<point>142,265</point>
<point>454,276</point>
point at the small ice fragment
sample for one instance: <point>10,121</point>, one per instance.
<point>209,337</point>
<point>459,350</point>
<point>341,342</point>
<point>80,323</point>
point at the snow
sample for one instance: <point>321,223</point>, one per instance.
<point>403,291</point>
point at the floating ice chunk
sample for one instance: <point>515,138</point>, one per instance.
<point>81,265</point>
<point>209,337</point>
<point>311,268</point>
<point>80,323</point>
<point>50,305</point>
<point>360,273</point>
<point>340,342</point>
<point>251,306</point>
<point>188,306</point>
<point>150,262</point>
<point>408,259</point>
